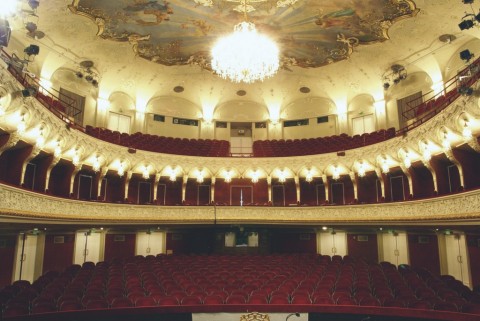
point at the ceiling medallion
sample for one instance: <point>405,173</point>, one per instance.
<point>304,90</point>
<point>178,89</point>
<point>241,92</point>
<point>245,55</point>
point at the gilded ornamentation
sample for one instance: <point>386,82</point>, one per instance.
<point>255,316</point>
<point>20,203</point>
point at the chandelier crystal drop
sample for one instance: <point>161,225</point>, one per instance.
<point>245,55</point>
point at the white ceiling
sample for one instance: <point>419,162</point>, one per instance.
<point>414,43</point>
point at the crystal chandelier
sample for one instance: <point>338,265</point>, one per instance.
<point>245,55</point>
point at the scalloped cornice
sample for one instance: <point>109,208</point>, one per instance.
<point>91,146</point>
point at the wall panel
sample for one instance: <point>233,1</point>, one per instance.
<point>119,246</point>
<point>363,246</point>
<point>58,255</point>
<point>7,255</point>
<point>419,246</point>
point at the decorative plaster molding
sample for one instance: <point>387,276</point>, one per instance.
<point>92,146</point>
<point>22,204</point>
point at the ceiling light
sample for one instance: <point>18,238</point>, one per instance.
<point>120,170</point>
<point>75,160</point>
<point>467,132</point>
<point>255,177</point>
<point>385,167</point>
<point>228,176</point>
<point>145,172</point>
<point>96,164</point>
<point>361,170</point>
<point>309,177</point>
<point>336,173</point>
<point>245,55</point>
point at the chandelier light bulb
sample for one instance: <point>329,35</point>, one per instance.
<point>245,55</point>
<point>8,8</point>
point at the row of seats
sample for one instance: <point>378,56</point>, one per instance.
<point>193,280</point>
<point>312,146</point>
<point>437,103</point>
<point>162,144</point>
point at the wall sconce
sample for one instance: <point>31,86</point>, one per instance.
<point>427,154</point>
<point>75,160</point>
<point>96,164</point>
<point>467,132</point>
<point>21,126</point>
<point>121,170</point>
<point>58,150</point>
<point>361,170</point>
<point>200,177</point>
<point>385,167</point>
<point>336,173</point>
<point>228,176</point>
<point>255,177</point>
<point>172,173</point>
<point>145,172</point>
<point>407,162</point>
<point>309,176</point>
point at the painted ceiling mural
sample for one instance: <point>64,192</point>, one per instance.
<point>310,33</point>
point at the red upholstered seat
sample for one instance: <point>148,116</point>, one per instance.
<point>145,302</point>
<point>121,303</point>
<point>213,299</point>
<point>97,304</point>
<point>170,300</point>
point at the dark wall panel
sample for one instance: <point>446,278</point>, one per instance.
<point>60,175</point>
<point>226,193</point>
<point>423,250</point>
<point>119,246</point>
<point>58,256</point>
<point>308,193</point>
<point>115,188</point>
<point>422,182</point>
<point>473,243</point>
<point>366,187</point>
<point>440,166</point>
<point>293,242</point>
<point>470,162</point>
<point>198,241</point>
<point>363,246</point>
<point>7,255</point>
<point>11,162</point>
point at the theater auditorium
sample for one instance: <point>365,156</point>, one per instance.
<point>239,160</point>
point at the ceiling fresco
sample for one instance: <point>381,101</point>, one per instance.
<point>310,33</point>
